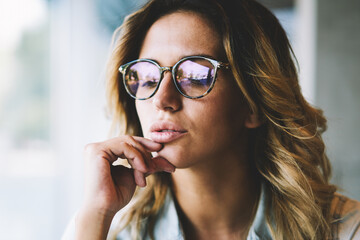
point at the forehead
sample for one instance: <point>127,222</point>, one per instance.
<point>181,34</point>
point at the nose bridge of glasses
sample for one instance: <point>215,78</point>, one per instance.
<point>164,69</point>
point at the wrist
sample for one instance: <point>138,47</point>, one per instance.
<point>93,223</point>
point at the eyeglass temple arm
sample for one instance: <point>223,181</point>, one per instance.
<point>122,68</point>
<point>224,65</point>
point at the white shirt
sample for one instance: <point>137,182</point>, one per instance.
<point>345,225</point>
<point>168,227</point>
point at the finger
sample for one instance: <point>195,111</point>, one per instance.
<point>161,164</point>
<point>139,178</point>
<point>143,150</point>
<point>132,154</point>
<point>148,144</point>
<point>134,143</point>
<point>145,146</point>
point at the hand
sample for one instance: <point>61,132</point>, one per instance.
<point>109,188</point>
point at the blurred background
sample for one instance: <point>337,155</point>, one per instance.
<point>52,102</point>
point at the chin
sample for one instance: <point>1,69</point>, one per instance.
<point>177,157</point>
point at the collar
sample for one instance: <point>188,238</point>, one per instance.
<point>168,225</point>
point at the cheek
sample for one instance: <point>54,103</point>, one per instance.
<point>227,112</point>
<point>143,113</point>
<point>222,117</point>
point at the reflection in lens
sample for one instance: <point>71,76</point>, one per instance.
<point>195,76</point>
<point>141,79</point>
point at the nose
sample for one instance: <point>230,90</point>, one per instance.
<point>167,97</point>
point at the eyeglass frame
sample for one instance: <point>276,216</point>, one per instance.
<point>215,63</point>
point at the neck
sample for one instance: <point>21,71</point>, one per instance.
<point>217,201</point>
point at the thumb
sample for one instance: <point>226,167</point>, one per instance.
<point>161,164</point>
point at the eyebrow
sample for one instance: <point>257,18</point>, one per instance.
<point>199,54</point>
<point>184,56</point>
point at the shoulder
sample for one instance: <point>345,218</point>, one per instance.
<point>345,215</point>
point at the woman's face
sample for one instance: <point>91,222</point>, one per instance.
<point>193,131</point>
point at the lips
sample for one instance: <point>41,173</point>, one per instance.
<point>165,132</point>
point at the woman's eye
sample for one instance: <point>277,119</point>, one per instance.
<point>197,82</point>
<point>200,81</point>
<point>194,82</point>
<point>149,84</point>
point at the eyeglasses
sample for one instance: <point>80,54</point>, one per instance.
<point>193,76</point>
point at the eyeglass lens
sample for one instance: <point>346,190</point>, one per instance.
<point>193,77</point>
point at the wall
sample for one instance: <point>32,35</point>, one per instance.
<point>338,87</point>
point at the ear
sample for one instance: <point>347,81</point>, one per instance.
<point>252,121</point>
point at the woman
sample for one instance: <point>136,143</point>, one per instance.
<point>218,135</point>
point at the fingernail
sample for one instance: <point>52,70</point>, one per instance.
<point>142,184</point>
<point>169,169</point>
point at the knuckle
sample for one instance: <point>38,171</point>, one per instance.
<point>128,138</point>
<point>138,155</point>
<point>94,151</point>
<point>124,145</point>
<point>91,148</point>
<point>129,151</point>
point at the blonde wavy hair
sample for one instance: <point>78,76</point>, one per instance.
<point>288,149</point>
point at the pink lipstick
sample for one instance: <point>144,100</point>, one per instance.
<point>165,132</point>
